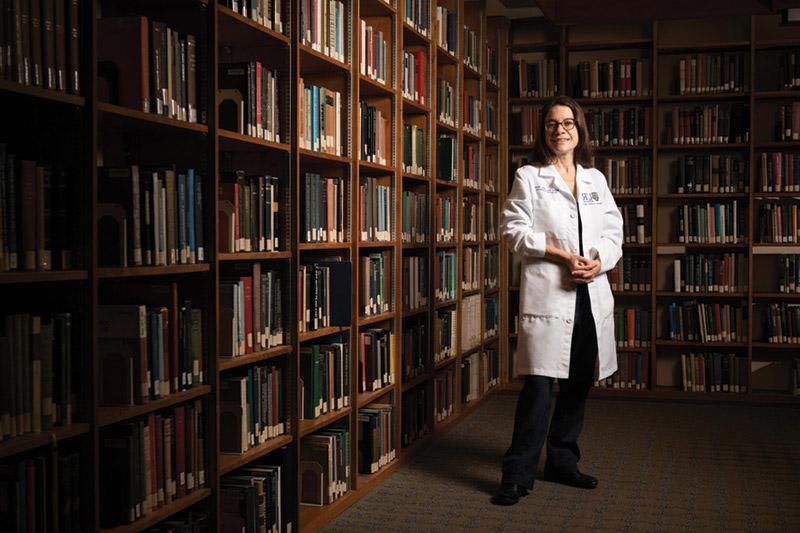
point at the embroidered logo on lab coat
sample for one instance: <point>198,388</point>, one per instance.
<point>542,188</point>
<point>590,198</point>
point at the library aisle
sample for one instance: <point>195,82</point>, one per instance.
<point>662,467</point>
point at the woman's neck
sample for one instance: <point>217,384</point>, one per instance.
<point>565,162</point>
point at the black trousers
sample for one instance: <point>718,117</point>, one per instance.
<point>533,407</point>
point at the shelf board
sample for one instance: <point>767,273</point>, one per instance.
<point>416,381</point>
<point>369,320</point>
<point>719,146</point>
<point>634,349</point>
<point>471,292</point>
<point>468,136</point>
<point>776,346</point>
<point>630,293</point>
<point>492,85</point>
<point>687,196</point>
<point>447,128</point>
<point>312,517</point>
<point>134,272</point>
<point>490,340</point>
<point>253,256</point>
<point>726,295</point>
<point>446,245</point>
<point>777,44</point>
<point>226,363</point>
<point>228,462</point>
<point>158,515</point>
<point>778,144</point>
<point>305,246</point>
<point>633,197</point>
<point>445,362</point>
<point>415,246</point>
<point>411,107</point>
<point>491,193</point>
<point>51,276</point>
<point>491,140</point>
<point>318,333</point>
<point>520,147</point>
<point>446,183</point>
<point>313,155</point>
<point>775,249</point>
<point>695,344</point>
<point>232,23</point>
<point>637,148</point>
<point>370,87</point>
<point>529,100</point>
<point>771,195</point>
<point>776,296</point>
<point>234,141</point>
<point>776,95</point>
<point>44,94</point>
<point>376,244</point>
<point>308,427</point>
<point>533,47</point>
<point>125,113</point>
<point>312,61</point>
<point>609,45</point>
<point>413,312</point>
<point>683,245</point>
<point>365,398</point>
<point>416,177</point>
<point>614,100</point>
<point>703,97</point>
<point>376,8</point>
<point>636,245</point>
<point>31,441</point>
<point>448,303</point>
<point>373,168</point>
<point>703,47</point>
<point>470,72</point>
<point>445,57</point>
<point>412,36</point>
<point>490,292</point>
<point>472,190</point>
<point>111,415</point>
<point>366,480</point>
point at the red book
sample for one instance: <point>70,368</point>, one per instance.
<point>180,451</point>
<point>420,78</point>
<point>631,325</point>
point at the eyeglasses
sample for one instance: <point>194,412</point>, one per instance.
<point>552,125</point>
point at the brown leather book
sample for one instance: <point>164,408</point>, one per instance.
<point>123,42</point>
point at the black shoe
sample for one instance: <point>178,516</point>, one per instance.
<point>509,494</point>
<point>572,478</point>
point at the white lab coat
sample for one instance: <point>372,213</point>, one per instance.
<point>539,210</point>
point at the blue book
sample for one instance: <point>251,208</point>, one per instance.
<point>315,118</point>
<point>182,219</point>
<point>198,218</point>
<point>189,214</point>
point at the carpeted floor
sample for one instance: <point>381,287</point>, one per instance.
<point>662,467</point>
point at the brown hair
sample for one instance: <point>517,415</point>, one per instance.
<point>543,155</point>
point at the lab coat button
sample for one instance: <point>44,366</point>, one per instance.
<point>569,321</point>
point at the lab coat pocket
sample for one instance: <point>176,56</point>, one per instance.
<point>548,218</point>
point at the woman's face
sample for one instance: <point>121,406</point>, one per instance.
<point>561,130</point>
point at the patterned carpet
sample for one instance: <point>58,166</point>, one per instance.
<point>662,467</point>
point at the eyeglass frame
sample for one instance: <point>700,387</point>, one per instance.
<point>552,125</point>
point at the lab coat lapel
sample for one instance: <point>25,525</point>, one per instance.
<point>554,179</point>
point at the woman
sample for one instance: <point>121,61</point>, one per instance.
<point>562,222</point>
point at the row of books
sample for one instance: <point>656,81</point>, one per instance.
<point>470,378</point>
<point>788,122</point>
<point>36,375</point>
<point>249,95</point>
<point>375,56</point>
<point>632,327</point>
<point>325,474</point>
<point>619,127</point>
<point>492,120</point>
<point>414,150</point>
<point>711,73</point>
<point>376,437</point>
<point>325,202</point>
<point>709,124</point>
<point>445,216</point>
<point>491,321</point>
<point>375,273</point>
<point>249,214</point>
<point>471,322</point>
<point>444,388</point>
<point>472,166</point>
<point>250,310</point>
<point>789,281</point>
<point>705,322</point>
<point>416,421</point>
<point>721,273</point>
<point>251,499</point>
<point>321,128</point>
<point>632,273</point>
<point>713,372</point>
<point>524,122</point>
<point>444,335</point>
<point>36,224</point>
<point>150,349</point>
<point>268,13</point>
<point>42,48</point>
<point>469,218</point>
<point>490,220</point>
<point>612,79</point>
<point>43,493</point>
<point>490,363</point>
<point>444,274</point>
<point>151,462</point>
<point>470,268</point>
<point>697,173</point>
<point>375,207</point>
<point>533,78</point>
<point>415,217</point>
<point>252,408</point>
<point>325,292</point>
<point>376,359</point>
<point>323,27</point>
<point>789,67</point>
<point>446,102</point>
<point>159,76</point>
<point>446,28</point>
<point>417,15</point>
<point>150,217</point>
<point>324,377</point>
<point>492,65</point>
<point>779,172</point>
<point>782,324</point>
<point>415,282</point>
<point>415,76</point>
<point>376,135</point>
<point>627,175</point>
<point>632,372</point>
<point>637,223</point>
<point>473,48</point>
<point>490,267</point>
<point>779,222</point>
<point>447,158</point>
<point>472,114</point>
<point>416,351</point>
<point>711,223</point>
